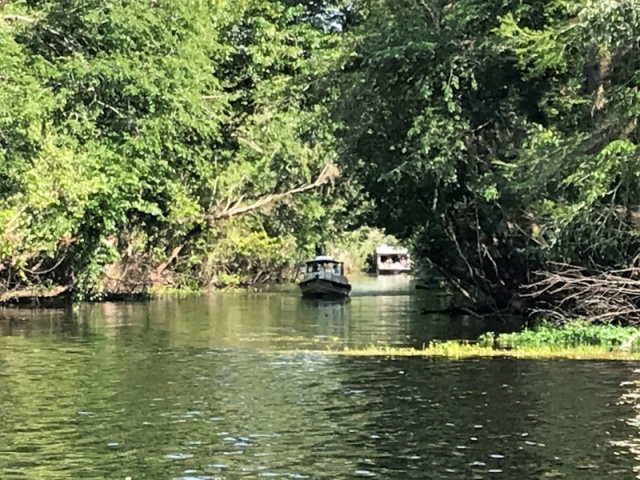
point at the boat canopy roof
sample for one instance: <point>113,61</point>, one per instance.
<point>322,259</point>
<point>389,250</point>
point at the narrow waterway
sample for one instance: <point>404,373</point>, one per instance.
<point>236,385</point>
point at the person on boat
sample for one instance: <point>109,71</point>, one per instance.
<point>369,263</point>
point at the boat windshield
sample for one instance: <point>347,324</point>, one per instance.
<point>333,267</point>
<point>394,260</point>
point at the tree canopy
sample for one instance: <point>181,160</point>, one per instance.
<point>133,130</point>
<point>183,142</point>
<point>501,137</point>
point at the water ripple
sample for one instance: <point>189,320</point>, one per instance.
<point>209,392</point>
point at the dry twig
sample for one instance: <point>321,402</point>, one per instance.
<point>568,291</point>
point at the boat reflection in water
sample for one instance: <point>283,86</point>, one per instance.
<point>332,316</point>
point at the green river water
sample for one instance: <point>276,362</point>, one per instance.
<point>211,387</point>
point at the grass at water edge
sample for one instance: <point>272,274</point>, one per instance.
<point>456,350</point>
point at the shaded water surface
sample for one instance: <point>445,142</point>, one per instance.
<point>236,386</point>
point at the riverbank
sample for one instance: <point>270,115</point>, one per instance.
<point>255,264</point>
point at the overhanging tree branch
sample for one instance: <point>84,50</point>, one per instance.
<point>234,208</point>
<point>18,18</point>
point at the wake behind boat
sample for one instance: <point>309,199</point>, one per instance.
<point>324,277</point>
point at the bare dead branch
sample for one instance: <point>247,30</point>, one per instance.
<point>172,256</point>
<point>571,292</point>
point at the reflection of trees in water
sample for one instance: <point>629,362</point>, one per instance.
<point>382,319</point>
<point>261,320</point>
<point>39,322</point>
<point>173,407</point>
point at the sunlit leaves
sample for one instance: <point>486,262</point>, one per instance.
<point>137,120</point>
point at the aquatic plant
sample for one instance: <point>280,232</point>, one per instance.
<point>576,341</point>
<point>460,350</point>
<point>568,336</point>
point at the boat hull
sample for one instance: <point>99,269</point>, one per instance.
<point>323,288</point>
<point>392,270</point>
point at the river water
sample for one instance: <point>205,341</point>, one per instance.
<point>235,385</point>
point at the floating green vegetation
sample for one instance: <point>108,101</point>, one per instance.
<point>458,350</point>
<point>576,341</point>
<point>572,335</point>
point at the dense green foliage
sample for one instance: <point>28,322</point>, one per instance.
<point>500,136</point>
<point>199,142</point>
<point>569,336</point>
<point>130,132</point>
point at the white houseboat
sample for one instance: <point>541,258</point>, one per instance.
<point>388,260</point>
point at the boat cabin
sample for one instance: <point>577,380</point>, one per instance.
<point>324,277</point>
<point>388,259</point>
<point>324,264</point>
